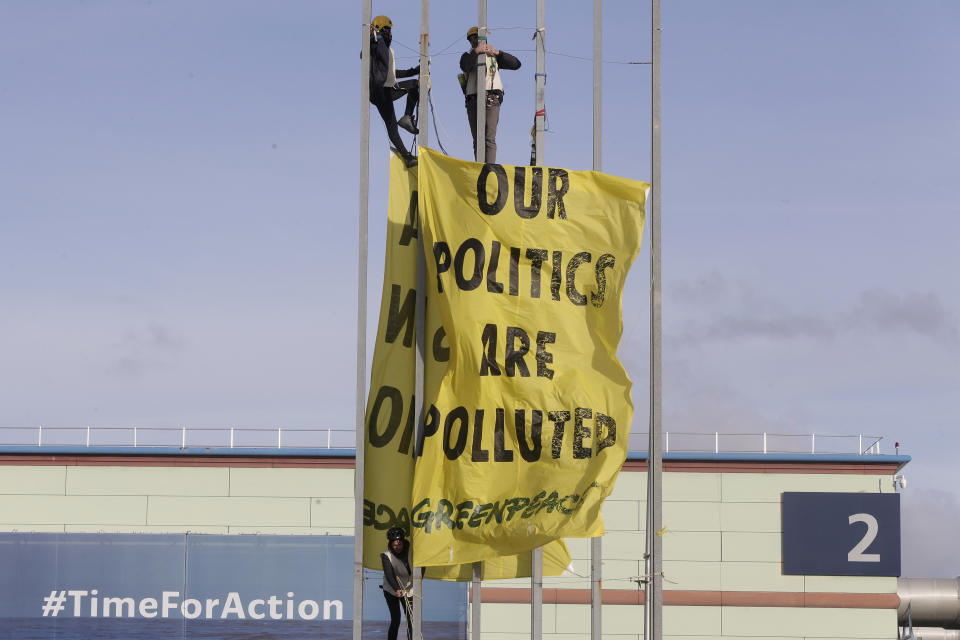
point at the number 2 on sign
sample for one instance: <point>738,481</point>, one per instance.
<point>857,553</point>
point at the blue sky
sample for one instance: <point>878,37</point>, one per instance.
<point>179,188</point>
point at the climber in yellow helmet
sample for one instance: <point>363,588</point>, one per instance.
<point>384,87</point>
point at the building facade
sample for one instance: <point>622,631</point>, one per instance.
<point>722,536</point>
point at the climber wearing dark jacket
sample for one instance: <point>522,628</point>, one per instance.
<point>384,87</point>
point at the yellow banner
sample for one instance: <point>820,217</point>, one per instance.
<point>528,428</point>
<point>391,410</point>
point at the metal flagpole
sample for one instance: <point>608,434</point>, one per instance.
<point>646,552</point>
<point>596,548</point>
<point>597,81</point>
<point>482,83</point>
<point>420,314</point>
<point>541,81</point>
<point>476,599</point>
<point>424,107</point>
<point>366,11</point>
<point>654,600</point>
<point>536,557</point>
<point>536,593</point>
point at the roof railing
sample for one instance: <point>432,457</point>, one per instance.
<point>284,438</point>
<point>719,442</point>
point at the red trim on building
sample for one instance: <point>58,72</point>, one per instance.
<point>347,462</point>
<point>698,466</point>
<point>676,597</point>
<point>177,461</point>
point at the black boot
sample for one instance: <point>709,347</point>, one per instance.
<point>406,123</point>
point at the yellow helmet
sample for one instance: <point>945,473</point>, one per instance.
<point>472,31</point>
<point>382,21</point>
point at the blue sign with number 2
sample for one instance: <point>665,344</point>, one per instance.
<point>841,534</point>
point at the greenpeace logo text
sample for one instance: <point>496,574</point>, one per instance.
<point>82,603</point>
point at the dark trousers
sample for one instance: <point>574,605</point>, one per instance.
<point>493,119</point>
<point>394,604</point>
<point>382,98</point>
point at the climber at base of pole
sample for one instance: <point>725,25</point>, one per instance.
<point>384,87</point>
<point>397,581</point>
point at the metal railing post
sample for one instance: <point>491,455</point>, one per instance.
<point>183,437</point>
<point>231,437</point>
<point>716,442</point>
<point>279,437</point>
<point>88,436</point>
<point>134,436</point>
<point>813,443</point>
<point>860,444</point>
<point>329,437</point>
<point>666,442</point>
<point>40,435</point>
<point>764,442</point>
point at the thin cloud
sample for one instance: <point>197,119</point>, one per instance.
<point>761,317</point>
<point>930,520</point>
<point>142,350</point>
<point>707,288</point>
<point>785,326</point>
<point>920,313</point>
<point>721,408</point>
<point>154,337</point>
